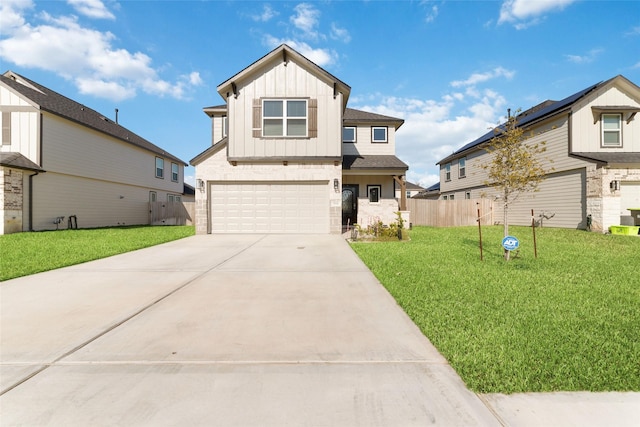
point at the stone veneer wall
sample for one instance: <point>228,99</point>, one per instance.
<point>11,200</point>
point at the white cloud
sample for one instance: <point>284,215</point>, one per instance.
<point>476,78</point>
<point>266,15</point>
<point>524,13</point>
<point>11,14</point>
<point>306,19</point>
<point>433,129</point>
<point>341,34</point>
<point>584,59</point>
<point>92,8</point>
<point>432,14</point>
<point>87,57</point>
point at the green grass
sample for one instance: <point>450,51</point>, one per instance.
<point>567,321</point>
<point>29,253</point>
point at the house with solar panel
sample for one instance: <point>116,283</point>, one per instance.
<point>288,156</point>
<point>592,158</point>
<point>64,165</point>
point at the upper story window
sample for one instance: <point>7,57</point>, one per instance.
<point>174,172</point>
<point>612,130</point>
<point>225,126</point>
<point>284,117</point>
<point>447,172</point>
<point>159,167</point>
<point>462,167</point>
<point>6,128</point>
<point>379,134</point>
<point>349,134</point>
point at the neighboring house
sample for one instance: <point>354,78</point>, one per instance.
<point>288,156</point>
<point>412,190</point>
<point>61,159</point>
<point>593,140</point>
<point>432,192</point>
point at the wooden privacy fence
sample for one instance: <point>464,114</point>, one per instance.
<point>450,213</point>
<point>171,213</point>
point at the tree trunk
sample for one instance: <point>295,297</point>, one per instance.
<point>506,224</point>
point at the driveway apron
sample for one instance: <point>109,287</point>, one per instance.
<point>228,330</point>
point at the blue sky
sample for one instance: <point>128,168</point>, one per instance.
<point>450,69</point>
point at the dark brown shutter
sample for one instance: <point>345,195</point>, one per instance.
<point>257,118</point>
<point>313,118</point>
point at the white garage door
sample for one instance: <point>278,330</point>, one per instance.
<point>630,196</point>
<point>270,207</point>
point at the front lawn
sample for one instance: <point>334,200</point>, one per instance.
<point>567,321</point>
<point>29,253</point>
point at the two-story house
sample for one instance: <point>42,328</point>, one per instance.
<point>64,164</point>
<point>288,156</point>
<point>592,160</point>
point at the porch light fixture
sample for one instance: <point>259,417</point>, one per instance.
<point>200,184</point>
<point>336,185</point>
<point>614,185</point>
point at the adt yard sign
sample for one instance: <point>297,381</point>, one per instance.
<point>510,243</point>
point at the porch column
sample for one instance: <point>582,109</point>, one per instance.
<point>403,191</point>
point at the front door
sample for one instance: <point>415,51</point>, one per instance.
<point>349,204</point>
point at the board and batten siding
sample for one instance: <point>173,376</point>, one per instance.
<point>74,150</point>
<point>586,134</point>
<point>284,80</point>
<point>25,124</point>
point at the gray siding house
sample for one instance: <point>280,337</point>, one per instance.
<point>61,159</point>
<point>592,158</point>
<point>288,156</point>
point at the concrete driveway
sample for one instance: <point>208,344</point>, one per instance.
<point>257,330</point>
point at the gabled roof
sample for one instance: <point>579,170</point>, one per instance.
<point>540,112</point>
<point>284,53</point>
<point>18,161</point>
<point>48,100</point>
<point>358,116</point>
<point>208,152</point>
<point>412,186</point>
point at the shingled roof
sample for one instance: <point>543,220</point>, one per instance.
<point>359,116</point>
<point>350,162</point>
<point>55,103</point>
<point>18,161</point>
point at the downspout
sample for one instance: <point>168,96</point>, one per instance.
<point>31,200</point>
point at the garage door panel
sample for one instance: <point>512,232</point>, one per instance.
<point>270,207</point>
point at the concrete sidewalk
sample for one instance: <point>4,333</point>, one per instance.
<point>242,331</point>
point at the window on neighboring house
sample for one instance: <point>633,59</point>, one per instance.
<point>451,197</point>
<point>159,167</point>
<point>373,192</point>
<point>174,172</point>
<point>225,126</point>
<point>467,195</point>
<point>379,134</point>
<point>6,128</point>
<point>173,198</point>
<point>153,196</point>
<point>445,198</point>
<point>612,130</point>
<point>348,134</point>
<point>284,117</point>
<point>408,194</point>
<point>462,167</point>
<point>447,172</point>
